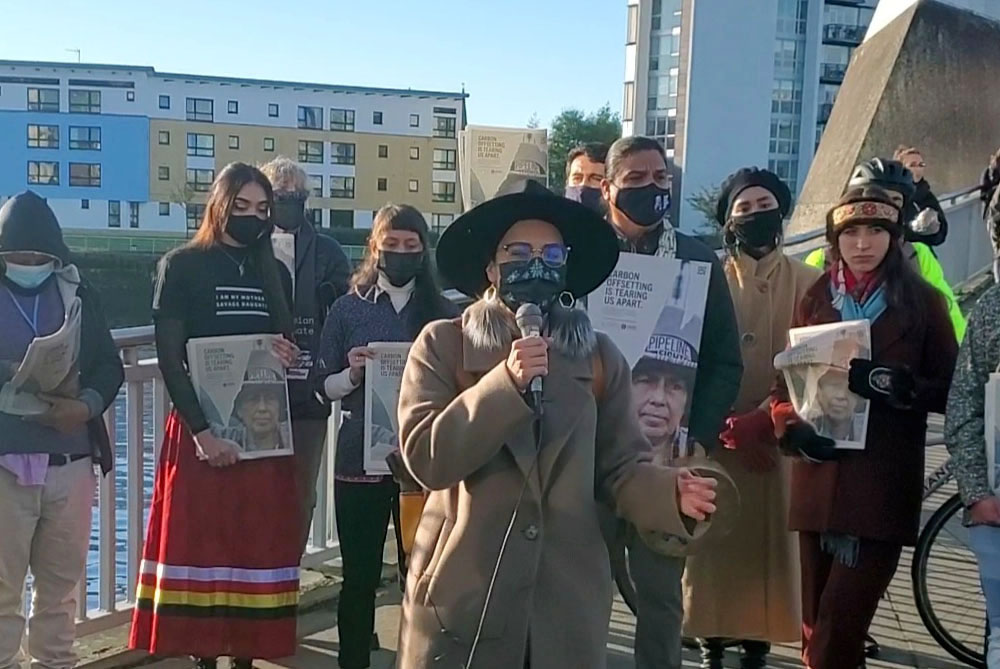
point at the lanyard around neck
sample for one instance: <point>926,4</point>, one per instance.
<point>33,321</point>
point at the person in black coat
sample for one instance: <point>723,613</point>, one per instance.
<point>925,220</point>
<point>637,192</point>
<point>321,272</point>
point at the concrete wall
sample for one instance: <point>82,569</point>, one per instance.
<point>930,79</point>
<point>890,9</point>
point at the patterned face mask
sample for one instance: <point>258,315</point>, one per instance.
<point>530,282</point>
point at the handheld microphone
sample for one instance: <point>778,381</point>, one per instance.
<point>529,321</point>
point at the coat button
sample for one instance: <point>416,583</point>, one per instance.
<point>530,533</point>
<point>748,338</point>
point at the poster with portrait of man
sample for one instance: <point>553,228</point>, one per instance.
<point>654,309</point>
<point>383,377</point>
<point>816,367</point>
<point>242,390</point>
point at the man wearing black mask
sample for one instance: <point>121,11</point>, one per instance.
<point>637,192</point>
<point>321,274</point>
<point>584,174</point>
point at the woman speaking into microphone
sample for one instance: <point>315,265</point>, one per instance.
<point>508,567</point>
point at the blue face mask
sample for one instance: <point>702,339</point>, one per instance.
<point>29,277</point>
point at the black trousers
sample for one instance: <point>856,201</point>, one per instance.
<point>363,512</point>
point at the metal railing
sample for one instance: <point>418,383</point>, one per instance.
<point>136,424</point>
<point>833,72</point>
<point>844,33</point>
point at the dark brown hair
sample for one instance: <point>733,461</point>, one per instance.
<point>225,189</point>
<point>627,146</point>
<point>428,302</point>
<point>596,152</point>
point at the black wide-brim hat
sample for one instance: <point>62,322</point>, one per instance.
<point>470,242</point>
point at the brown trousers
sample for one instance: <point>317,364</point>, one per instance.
<point>839,602</point>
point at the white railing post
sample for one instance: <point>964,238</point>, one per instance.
<point>135,438</point>
<point>106,528</point>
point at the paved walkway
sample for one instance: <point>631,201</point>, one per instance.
<point>905,641</point>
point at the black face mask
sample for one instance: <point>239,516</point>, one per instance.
<point>645,206</point>
<point>399,268</point>
<point>531,282</point>
<point>247,229</point>
<point>289,213</point>
<point>588,196</point>
<point>758,232</point>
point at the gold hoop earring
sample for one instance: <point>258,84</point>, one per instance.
<point>491,294</point>
<point>566,300</point>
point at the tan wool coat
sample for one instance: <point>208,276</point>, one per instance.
<point>747,586</point>
<point>474,450</point>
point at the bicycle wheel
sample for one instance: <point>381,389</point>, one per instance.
<point>946,586</point>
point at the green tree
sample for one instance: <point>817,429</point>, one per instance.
<point>572,127</point>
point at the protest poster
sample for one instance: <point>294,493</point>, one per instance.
<point>242,390</point>
<point>490,158</point>
<point>653,308</point>
<point>383,376</point>
<point>816,368</point>
<point>992,432</point>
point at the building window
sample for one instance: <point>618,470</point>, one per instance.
<point>233,107</point>
<point>376,118</point>
<point>383,150</point>
<point>129,96</point>
<point>341,218</point>
<point>342,119</point>
<point>444,127</point>
<point>315,216</point>
<point>310,151</point>
<point>133,214</point>
<point>341,153</point>
<point>85,138</point>
<point>200,181</point>
<point>84,204</point>
<point>84,102</point>
<point>443,191</point>
<point>200,109</point>
<point>272,110</point>
<point>311,118</point>
<point>164,173</point>
<point>164,102</point>
<point>85,174</point>
<point>414,120</point>
<point>445,159</point>
<point>414,153</point>
<point>43,173</point>
<point>193,213</point>
<point>200,145</point>
<point>114,214</point>
<point>234,142</point>
<point>445,110</point>
<point>269,143</point>
<point>43,136</point>
<point>441,221</point>
<point>314,182</point>
<point>414,185</point>
<point>43,99</point>
<point>342,187</point>
<point>164,209</point>
<point>628,104</point>
<point>632,29</point>
<point>383,184</point>
<point>164,137</point>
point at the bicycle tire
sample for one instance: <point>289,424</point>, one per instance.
<point>921,595</point>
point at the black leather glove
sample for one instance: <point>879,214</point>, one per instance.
<point>801,440</point>
<point>882,383</point>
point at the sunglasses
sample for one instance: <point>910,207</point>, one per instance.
<point>553,255</point>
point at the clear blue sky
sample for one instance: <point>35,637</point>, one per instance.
<point>515,57</point>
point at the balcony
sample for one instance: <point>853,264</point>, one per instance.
<point>825,110</point>
<point>843,34</point>
<point>832,73</point>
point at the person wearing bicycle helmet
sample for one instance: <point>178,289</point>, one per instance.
<point>755,599</point>
<point>897,181</point>
<point>965,436</point>
<point>854,510</point>
<point>925,220</point>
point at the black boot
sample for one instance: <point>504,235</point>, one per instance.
<point>205,663</point>
<point>242,663</point>
<point>755,655</point>
<point>712,652</point>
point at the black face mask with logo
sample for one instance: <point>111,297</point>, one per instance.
<point>247,229</point>
<point>400,268</point>
<point>530,282</point>
<point>645,206</point>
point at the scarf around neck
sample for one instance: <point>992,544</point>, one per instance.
<point>856,299</point>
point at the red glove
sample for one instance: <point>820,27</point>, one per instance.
<point>751,435</point>
<point>782,415</point>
